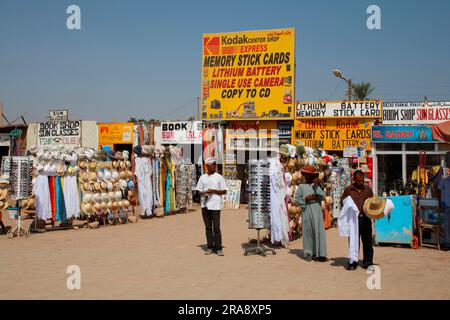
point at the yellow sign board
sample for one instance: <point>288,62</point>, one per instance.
<point>115,133</point>
<point>333,134</point>
<point>248,75</point>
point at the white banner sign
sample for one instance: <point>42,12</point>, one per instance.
<point>59,115</point>
<point>339,109</point>
<point>66,133</point>
<point>181,132</point>
<point>415,112</point>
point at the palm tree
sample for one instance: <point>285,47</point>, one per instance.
<point>361,91</point>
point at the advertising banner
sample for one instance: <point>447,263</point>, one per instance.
<point>54,133</point>
<point>181,132</point>
<point>339,109</point>
<point>416,112</point>
<point>332,134</point>
<point>248,75</point>
<point>401,134</point>
<point>115,133</point>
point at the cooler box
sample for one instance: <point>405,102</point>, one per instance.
<point>398,229</point>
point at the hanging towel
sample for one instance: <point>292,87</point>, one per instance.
<point>43,200</point>
<point>349,227</point>
<point>71,196</point>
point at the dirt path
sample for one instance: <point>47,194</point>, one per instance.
<point>163,259</point>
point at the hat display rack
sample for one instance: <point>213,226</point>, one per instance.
<point>106,183</point>
<point>259,203</point>
<point>21,187</point>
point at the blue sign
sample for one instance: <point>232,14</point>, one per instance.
<point>401,134</point>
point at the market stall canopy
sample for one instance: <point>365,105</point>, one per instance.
<point>441,131</point>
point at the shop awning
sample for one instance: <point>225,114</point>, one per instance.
<point>441,131</point>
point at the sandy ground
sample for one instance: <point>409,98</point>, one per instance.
<point>163,259</point>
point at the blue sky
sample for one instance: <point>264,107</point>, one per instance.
<point>143,58</point>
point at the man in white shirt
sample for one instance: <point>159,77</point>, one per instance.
<point>211,186</point>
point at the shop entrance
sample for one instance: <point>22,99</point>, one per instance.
<point>389,173</point>
<point>123,147</point>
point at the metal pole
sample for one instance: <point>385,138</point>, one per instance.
<point>350,90</point>
<point>1,111</point>
<point>198,109</point>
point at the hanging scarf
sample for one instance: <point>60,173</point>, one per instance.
<point>52,186</point>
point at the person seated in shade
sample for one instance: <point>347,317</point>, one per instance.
<point>309,197</point>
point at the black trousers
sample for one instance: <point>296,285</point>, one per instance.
<point>211,218</point>
<point>365,232</point>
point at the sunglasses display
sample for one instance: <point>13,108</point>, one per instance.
<point>21,175</point>
<point>259,197</point>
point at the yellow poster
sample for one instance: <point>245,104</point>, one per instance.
<point>115,133</point>
<point>248,75</point>
<point>333,134</point>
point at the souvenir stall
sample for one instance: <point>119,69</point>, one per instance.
<point>71,183</point>
<point>164,181</point>
<point>334,176</point>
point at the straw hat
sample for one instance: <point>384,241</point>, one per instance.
<point>103,205</point>
<point>309,169</point>
<point>115,164</point>
<point>129,174</point>
<point>98,166</point>
<point>92,177</point>
<point>106,174</point>
<point>111,196</point>
<point>115,205</point>
<point>103,186</point>
<point>93,166</point>
<point>86,207</point>
<point>83,165</point>
<point>84,177</point>
<point>120,203</point>
<point>109,186</point>
<point>109,205</point>
<point>100,175</point>
<point>86,187</point>
<point>104,196</point>
<point>122,165</point>
<point>87,197</point>
<point>123,174</point>
<point>108,164</point>
<point>3,193</point>
<point>374,207</point>
<point>284,151</point>
<point>118,195</point>
<point>4,204</point>
<point>128,164</point>
<point>97,197</point>
<point>70,170</point>
<point>126,204</point>
<point>60,169</point>
<point>123,184</point>
<point>115,175</point>
<point>97,208</point>
<point>97,186</point>
<point>125,155</point>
